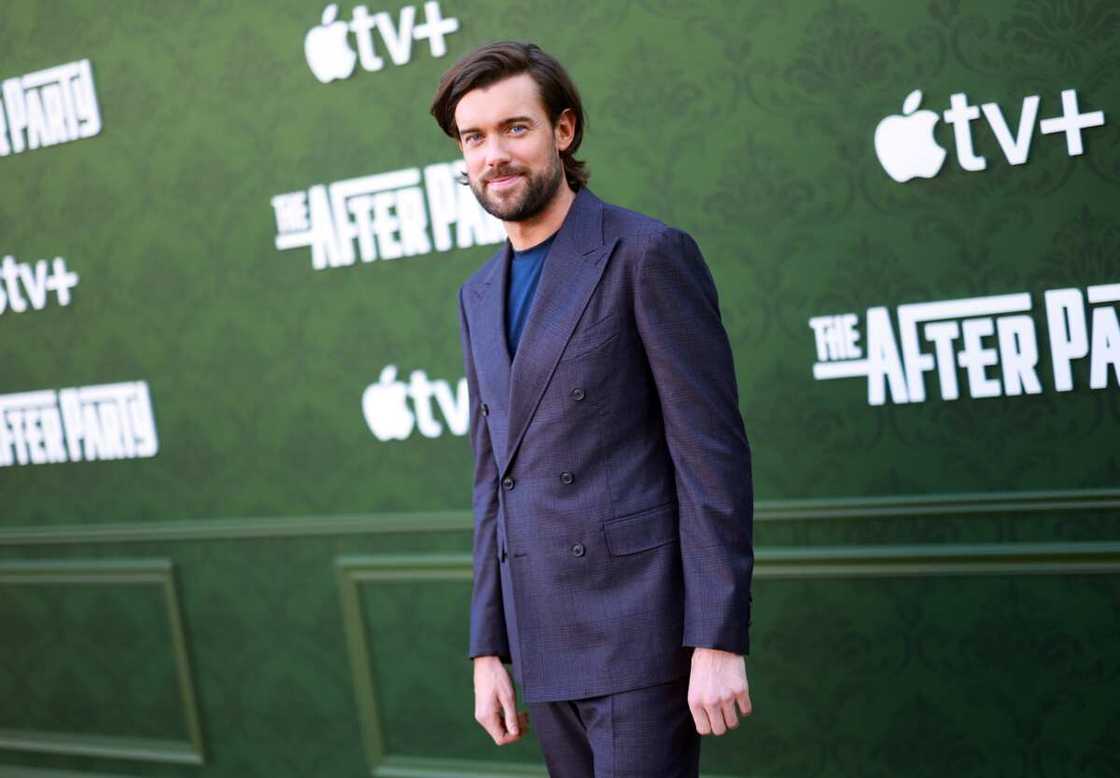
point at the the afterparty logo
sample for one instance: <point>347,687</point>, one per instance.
<point>330,57</point>
<point>906,148</point>
<point>401,213</point>
<point>77,424</point>
<point>990,342</point>
<point>48,107</point>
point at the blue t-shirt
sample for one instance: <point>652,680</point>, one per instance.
<point>525,272</point>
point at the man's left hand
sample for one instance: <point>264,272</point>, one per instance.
<point>718,681</point>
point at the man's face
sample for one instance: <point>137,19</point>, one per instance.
<point>511,149</point>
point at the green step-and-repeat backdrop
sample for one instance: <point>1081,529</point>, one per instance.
<point>234,475</point>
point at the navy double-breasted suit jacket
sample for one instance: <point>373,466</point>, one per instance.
<point>612,483</point>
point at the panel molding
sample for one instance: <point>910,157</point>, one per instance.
<point>422,767</point>
<point>417,767</point>
<point>940,504</point>
<point>352,571</point>
<point>141,572</point>
<point>18,771</point>
<point>248,528</point>
<point>774,563</point>
<point>932,559</point>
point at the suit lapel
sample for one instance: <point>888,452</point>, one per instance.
<point>571,271</point>
<point>493,342</point>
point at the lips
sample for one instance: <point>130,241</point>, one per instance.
<point>502,182</point>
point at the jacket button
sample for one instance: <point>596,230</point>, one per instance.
<point>507,482</point>
<point>567,477</point>
<point>578,549</point>
<point>578,394</point>
<point>485,409</point>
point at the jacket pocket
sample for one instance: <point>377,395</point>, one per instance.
<point>591,337</point>
<point>643,530</point>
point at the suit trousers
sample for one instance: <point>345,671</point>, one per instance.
<point>638,733</point>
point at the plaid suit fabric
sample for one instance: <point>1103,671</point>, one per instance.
<point>612,485</point>
<point>637,733</point>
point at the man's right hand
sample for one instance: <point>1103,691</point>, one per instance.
<point>494,705</point>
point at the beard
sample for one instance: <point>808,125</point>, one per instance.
<point>539,191</point>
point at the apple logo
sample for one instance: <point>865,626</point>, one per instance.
<point>905,144</point>
<point>328,54</point>
<point>385,408</point>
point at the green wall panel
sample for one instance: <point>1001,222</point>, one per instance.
<point>937,580</point>
<point>96,661</point>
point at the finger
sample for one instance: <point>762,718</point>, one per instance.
<point>744,699</point>
<point>729,717</point>
<point>493,726</point>
<point>523,719</point>
<point>504,735</point>
<point>715,715</point>
<point>509,709</point>
<point>700,718</point>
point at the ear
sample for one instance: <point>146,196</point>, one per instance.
<point>564,131</point>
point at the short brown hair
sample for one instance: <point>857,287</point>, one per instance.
<point>497,61</point>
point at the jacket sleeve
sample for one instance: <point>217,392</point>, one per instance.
<point>488,622</point>
<point>677,313</point>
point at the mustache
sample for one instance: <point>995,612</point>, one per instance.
<point>502,173</point>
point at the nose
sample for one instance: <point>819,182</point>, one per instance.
<point>496,154</point>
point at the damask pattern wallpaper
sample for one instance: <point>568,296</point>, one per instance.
<point>234,476</point>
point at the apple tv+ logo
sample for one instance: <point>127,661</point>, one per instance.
<point>329,54</point>
<point>387,413</point>
<point>906,148</point>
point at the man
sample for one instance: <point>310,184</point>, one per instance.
<point>612,486</point>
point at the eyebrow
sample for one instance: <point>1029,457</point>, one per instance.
<point>502,123</point>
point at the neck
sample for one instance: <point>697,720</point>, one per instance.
<point>530,232</point>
